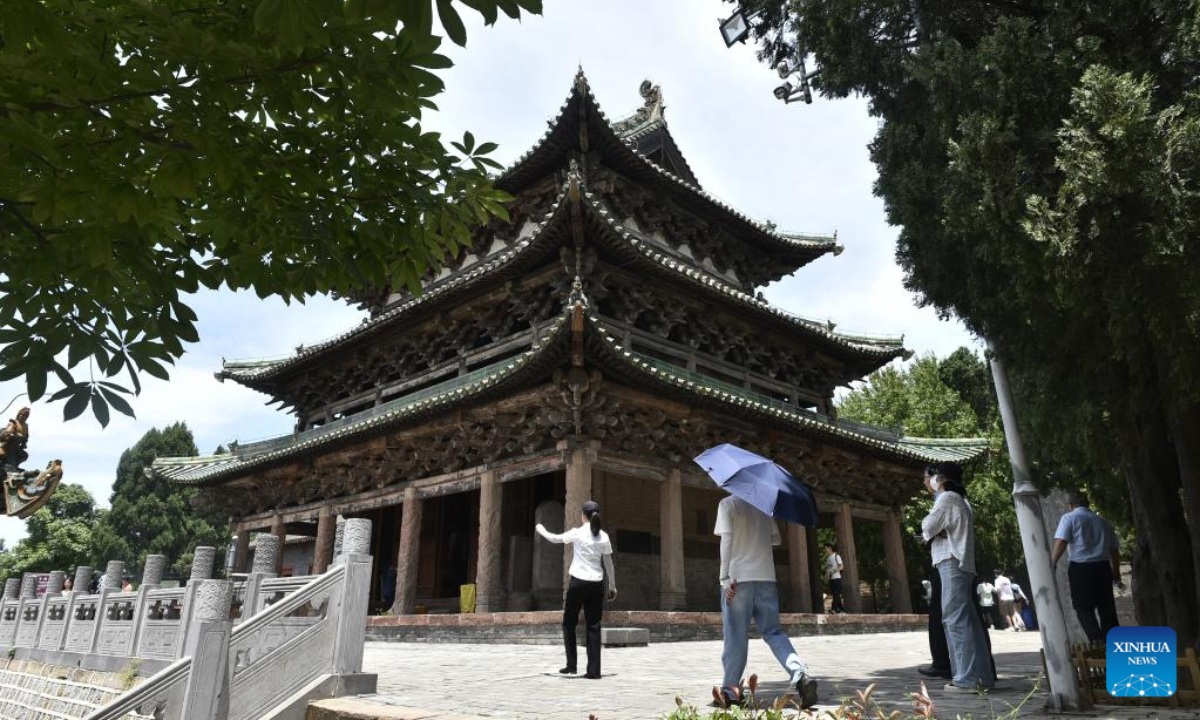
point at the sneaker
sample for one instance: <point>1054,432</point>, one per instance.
<point>567,671</point>
<point>806,689</point>
<point>931,671</point>
<point>973,690</point>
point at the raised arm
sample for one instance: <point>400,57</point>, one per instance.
<point>552,537</point>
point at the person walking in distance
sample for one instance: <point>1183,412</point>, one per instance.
<point>591,562</point>
<point>1008,610</point>
<point>1095,566</point>
<point>950,530</point>
<point>833,573</point>
<point>748,592</point>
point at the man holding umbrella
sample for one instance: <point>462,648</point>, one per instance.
<point>759,491</point>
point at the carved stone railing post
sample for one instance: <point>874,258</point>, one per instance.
<point>12,588</point>
<point>83,580</point>
<point>207,694</point>
<point>266,550</point>
<point>113,574</point>
<point>58,579</point>
<point>28,586</point>
<point>355,596</point>
<point>202,569</point>
<point>338,536</point>
<point>152,572</point>
<point>202,562</point>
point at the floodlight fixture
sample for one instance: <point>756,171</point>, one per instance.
<point>736,28</point>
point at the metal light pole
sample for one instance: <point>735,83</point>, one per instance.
<point>1052,625</point>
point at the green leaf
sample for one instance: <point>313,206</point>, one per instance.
<point>119,403</point>
<point>417,16</point>
<point>78,402</point>
<point>100,410</point>
<point>485,148</point>
<point>452,22</point>
<point>35,382</point>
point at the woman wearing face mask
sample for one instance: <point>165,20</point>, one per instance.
<point>591,561</point>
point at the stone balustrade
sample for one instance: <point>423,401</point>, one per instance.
<point>259,640</point>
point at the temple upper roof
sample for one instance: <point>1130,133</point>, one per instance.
<point>582,128</point>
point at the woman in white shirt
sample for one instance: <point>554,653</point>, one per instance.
<point>591,560</point>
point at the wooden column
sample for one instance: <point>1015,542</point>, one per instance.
<point>844,525</point>
<point>407,560</point>
<point>797,543</point>
<point>242,554</point>
<point>673,592</point>
<point>893,548</point>
<point>280,531</point>
<point>489,589</point>
<point>579,491</point>
<point>326,529</point>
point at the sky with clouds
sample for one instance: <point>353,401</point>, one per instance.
<point>804,167</point>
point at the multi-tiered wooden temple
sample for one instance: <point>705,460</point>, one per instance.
<point>589,347</point>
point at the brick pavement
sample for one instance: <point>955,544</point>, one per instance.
<point>520,681</point>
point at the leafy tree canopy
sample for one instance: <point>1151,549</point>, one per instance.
<point>929,398</point>
<point>59,535</point>
<point>151,149</point>
<point>149,516</point>
<point>1042,161</point>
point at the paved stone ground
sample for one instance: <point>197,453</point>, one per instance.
<point>521,681</point>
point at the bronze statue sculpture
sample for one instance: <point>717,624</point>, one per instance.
<point>25,491</point>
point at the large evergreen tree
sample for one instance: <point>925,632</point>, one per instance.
<point>1042,161</point>
<point>59,536</point>
<point>151,516</point>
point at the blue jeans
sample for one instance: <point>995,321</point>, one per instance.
<point>969,660</point>
<point>758,601</point>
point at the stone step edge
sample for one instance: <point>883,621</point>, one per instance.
<point>361,708</point>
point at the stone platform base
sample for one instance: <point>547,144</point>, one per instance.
<point>545,627</point>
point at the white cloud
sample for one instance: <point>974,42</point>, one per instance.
<point>803,166</point>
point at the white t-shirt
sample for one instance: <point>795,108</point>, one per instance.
<point>1005,588</point>
<point>831,566</point>
<point>752,534</point>
<point>951,527</point>
<point>588,551</point>
<point>985,590</point>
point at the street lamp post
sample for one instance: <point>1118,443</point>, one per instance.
<point>1052,624</point>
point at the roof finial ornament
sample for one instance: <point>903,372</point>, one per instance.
<point>651,110</point>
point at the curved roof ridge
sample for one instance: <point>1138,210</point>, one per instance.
<point>716,284</point>
<point>233,369</point>
<point>207,469</point>
<point>798,417</point>
<point>581,88</point>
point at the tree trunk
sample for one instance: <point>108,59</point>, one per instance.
<point>1147,594</point>
<point>1185,427</point>
<point>1152,472</point>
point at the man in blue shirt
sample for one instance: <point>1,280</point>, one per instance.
<point>1095,566</point>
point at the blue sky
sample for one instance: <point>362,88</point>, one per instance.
<point>805,167</point>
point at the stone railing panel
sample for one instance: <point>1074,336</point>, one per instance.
<point>118,631</point>
<point>54,625</point>
<point>284,647</point>
<point>84,619</point>
<point>10,613</point>
<point>162,625</point>
<point>30,614</point>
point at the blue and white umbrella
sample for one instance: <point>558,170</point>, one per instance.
<point>767,486</point>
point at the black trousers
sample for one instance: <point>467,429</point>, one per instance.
<point>588,596</point>
<point>1092,596</point>
<point>835,589</point>
<point>939,651</point>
